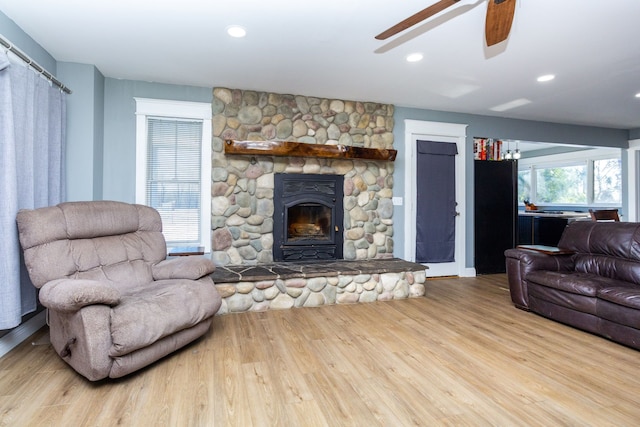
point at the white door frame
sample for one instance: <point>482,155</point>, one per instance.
<point>444,132</point>
<point>633,190</point>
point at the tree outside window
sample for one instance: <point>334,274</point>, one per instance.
<point>524,185</point>
<point>607,181</point>
<point>562,185</point>
<point>588,180</point>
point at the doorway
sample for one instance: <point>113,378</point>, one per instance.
<point>447,133</point>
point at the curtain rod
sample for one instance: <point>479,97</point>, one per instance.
<point>33,64</point>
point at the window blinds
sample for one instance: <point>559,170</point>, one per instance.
<point>173,176</point>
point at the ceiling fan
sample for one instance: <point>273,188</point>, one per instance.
<point>497,24</point>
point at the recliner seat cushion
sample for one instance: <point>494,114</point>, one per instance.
<point>147,314</point>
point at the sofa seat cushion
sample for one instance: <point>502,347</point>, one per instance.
<point>620,305</point>
<point>625,296</point>
<point>161,308</point>
<point>572,290</point>
<point>576,283</point>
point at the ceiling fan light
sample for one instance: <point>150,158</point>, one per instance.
<point>546,78</point>
<point>415,57</point>
<point>236,31</point>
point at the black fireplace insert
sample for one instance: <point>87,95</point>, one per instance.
<point>308,217</point>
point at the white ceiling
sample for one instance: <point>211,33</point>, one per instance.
<point>327,49</point>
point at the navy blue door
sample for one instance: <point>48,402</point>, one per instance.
<point>435,202</point>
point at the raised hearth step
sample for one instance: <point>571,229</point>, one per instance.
<point>307,269</point>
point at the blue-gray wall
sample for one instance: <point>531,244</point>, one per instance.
<point>491,127</point>
<point>25,43</point>
<point>120,129</point>
<point>101,131</point>
<point>85,130</point>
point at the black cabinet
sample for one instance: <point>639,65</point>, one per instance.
<point>495,213</point>
<point>540,230</point>
<point>526,230</point>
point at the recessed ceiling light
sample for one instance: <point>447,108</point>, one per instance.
<point>414,57</point>
<point>546,78</point>
<point>638,95</point>
<point>236,31</point>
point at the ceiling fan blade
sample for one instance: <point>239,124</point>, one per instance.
<point>499,18</point>
<point>418,17</point>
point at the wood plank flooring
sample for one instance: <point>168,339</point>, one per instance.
<point>462,355</point>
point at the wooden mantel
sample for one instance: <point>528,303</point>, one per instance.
<point>300,149</point>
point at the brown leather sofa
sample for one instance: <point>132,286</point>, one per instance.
<point>594,287</point>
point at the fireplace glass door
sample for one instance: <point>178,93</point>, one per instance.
<point>308,217</point>
<point>307,221</point>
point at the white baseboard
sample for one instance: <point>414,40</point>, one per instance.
<point>468,272</point>
<point>22,332</point>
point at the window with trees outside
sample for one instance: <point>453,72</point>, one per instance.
<point>583,178</point>
<point>173,168</point>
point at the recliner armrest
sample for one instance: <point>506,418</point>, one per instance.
<point>188,267</point>
<point>73,294</point>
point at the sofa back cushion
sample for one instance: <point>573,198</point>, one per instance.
<point>608,266</point>
<point>101,240</point>
<point>617,239</point>
<point>608,249</point>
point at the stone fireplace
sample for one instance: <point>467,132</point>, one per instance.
<point>257,209</point>
<point>308,217</point>
<point>243,187</point>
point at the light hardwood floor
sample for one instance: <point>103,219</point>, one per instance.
<point>462,355</point>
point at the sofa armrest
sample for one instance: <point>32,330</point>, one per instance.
<point>73,294</point>
<point>535,260</point>
<point>520,262</point>
<point>189,267</point>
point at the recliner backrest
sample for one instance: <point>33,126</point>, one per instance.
<point>101,240</point>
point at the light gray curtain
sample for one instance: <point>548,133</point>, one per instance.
<point>32,146</point>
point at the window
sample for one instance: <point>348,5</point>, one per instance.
<point>607,181</point>
<point>524,185</point>
<point>587,178</point>
<point>565,185</point>
<point>173,168</point>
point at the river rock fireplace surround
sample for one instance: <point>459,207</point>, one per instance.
<point>326,137</point>
<point>243,184</point>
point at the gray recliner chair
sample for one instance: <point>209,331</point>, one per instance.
<point>116,303</point>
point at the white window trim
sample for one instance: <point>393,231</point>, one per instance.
<point>568,159</point>
<point>633,175</point>
<point>583,157</point>
<point>176,109</point>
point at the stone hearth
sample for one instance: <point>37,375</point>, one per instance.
<point>310,284</point>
